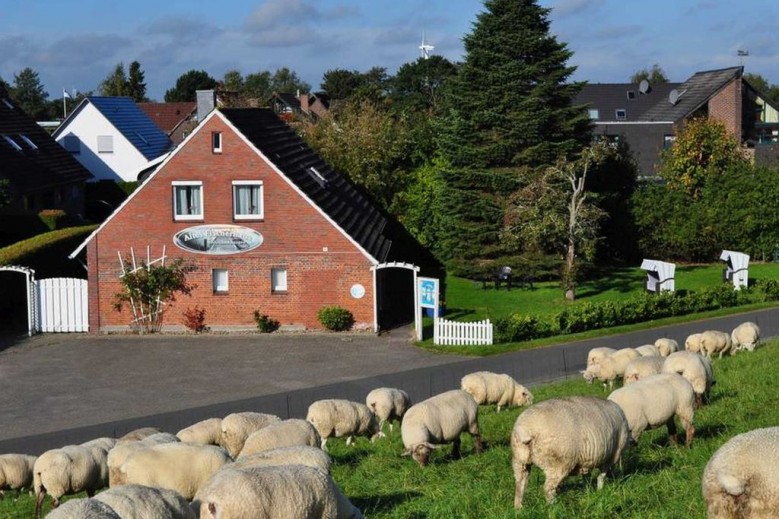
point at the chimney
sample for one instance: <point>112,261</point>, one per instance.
<point>206,102</point>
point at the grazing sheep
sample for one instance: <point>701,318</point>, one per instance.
<point>611,366</point>
<point>140,502</point>
<point>83,509</point>
<point>654,401</point>
<point>388,403</point>
<point>693,343</point>
<point>440,419</point>
<point>337,418</point>
<point>280,492</point>
<point>642,367</point>
<point>648,350</point>
<point>666,346</point>
<point>695,369</point>
<point>182,467</point>
<point>15,472</point>
<point>745,336</point>
<point>713,341</point>
<point>595,354</point>
<point>297,455</point>
<point>740,480</point>
<point>205,432</point>
<point>561,435</point>
<point>495,388</point>
<point>137,434</point>
<point>237,427</point>
<point>286,433</point>
<point>119,454</point>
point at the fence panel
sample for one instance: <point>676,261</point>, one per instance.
<point>451,333</point>
<point>62,305</point>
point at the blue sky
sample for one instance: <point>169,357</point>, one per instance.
<point>74,45</point>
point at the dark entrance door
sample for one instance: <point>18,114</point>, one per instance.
<point>395,297</point>
<point>13,302</point>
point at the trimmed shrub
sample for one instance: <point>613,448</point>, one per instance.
<point>53,218</point>
<point>195,319</point>
<point>335,318</point>
<point>265,323</point>
<point>519,327</point>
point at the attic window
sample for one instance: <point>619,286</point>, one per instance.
<point>321,180</point>
<point>621,114</point>
<point>594,114</point>
<point>7,103</point>
<point>216,142</point>
<point>28,142</point>
<point>12,142</point>
<point>631,94</point>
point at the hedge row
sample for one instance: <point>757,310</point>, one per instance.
<point>18,252</point>
<point>645,307</point>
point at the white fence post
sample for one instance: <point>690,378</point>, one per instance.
<point>450,333</point>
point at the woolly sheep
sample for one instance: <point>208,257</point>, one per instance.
<point>642,367</point>
<point>655,401</point>
<point>560,435</point>
<point>714,341</point>
<point>495,388</point>
<point>297,455</point>
<point>666,346</point>
<point>693,343</point>
<point>388,403</point>
<point>285,433</point>
<point>141,502</point>
<point>15,472</point>
<point>237,427</point>
<point>695,369</point>
<point>595,354</point>
<point>205,432</point>
<point>648,350</point>
<point>119,454</point>
<point>83,509</point>
<point>337,418</point>
<point>740,480</point>
<point>745,336</point>
<point>611,366</point>
<point>280,492</point>
<point>440,419</point>
<point>182,467</point>
<point>137,434</point>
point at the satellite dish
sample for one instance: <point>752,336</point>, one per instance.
<point>643,87</point>
<point>673,96</point>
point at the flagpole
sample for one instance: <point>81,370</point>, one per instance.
<point>64,106</point>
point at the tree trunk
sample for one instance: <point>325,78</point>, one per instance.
<point>570,271</point>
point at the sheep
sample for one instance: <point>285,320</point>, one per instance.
<point>15,472</point>
<point>119,454</point>
<point>137,434</point>
<point>388,404</point>
<point>648,350</point>
<point>297,455</point>
<point>745,336</point>
<point>713,341</point>
<point>337,418</point>
<point>205,432</point>
<point>611,366</point>
<point>440,419</point>
<point>595,354</point>
<point>279,492</point>
<point>100,448</point>
<point>656,400</point>
<point>740,479</point>
<point>695,369</point>
<point>693,343</point>
<point>83,509</point>
<point>237,427</point>
<point>561,435</point>
<point>495,388</point>
<point>642,367</point>
<point>182,467</point>
<point>141,502</point>
<point>286,433</point>
<point>666,346</point>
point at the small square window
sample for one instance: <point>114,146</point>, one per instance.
<point>621,114</point>
<point>278,277</point>
<point>188,200</point>
<point>221,281</point>
<point>247,200</point>
<point>216,142</point>
<point>631,94</point>
<point>105,143</point>
<point>594,114</point>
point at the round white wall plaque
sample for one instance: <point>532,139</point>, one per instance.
<point>357,291</point>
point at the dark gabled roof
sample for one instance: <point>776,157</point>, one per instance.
<point>693,94</point>
<point>30,169</point>
<point>167,116</point>
<point>345,203</point>
<point>289,100</point>
<point>607,98</point>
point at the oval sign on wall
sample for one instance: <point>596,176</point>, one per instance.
<point>217,239</point>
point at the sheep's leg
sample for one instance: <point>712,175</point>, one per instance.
<point>478,445</point>
<point>456,448</point>
<point>521,476</point>
<point>604,471</point>
<point>553,480</point>
<point>324,444</point>
<point>671,424</point>
<point>390,426</point>
<point>39,502</point>
<point>90,492</point>
<point>690,430</point>
<point>349,440</point>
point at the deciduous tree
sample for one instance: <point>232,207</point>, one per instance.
<point>654,76</point>
<point>187,84</point>
<point>116,83</point>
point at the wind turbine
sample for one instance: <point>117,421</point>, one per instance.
<point>425,47</point>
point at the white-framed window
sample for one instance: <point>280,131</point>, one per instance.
<point>278,279</point>
<point>72,143</point>
<point>105,143</point>
<point>221,280</point>
<point>188,200</point>
<point>621,114</point>
<point>594,114</point>
<point>247,200</point>
<point>216,142</point>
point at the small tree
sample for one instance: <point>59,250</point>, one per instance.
<point>148,289</point>
<point>654,76</point>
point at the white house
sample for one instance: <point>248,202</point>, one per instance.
<point>112,138</point>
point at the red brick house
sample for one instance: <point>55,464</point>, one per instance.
<point>266,224</point>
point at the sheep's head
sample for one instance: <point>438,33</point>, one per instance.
<point>591,373</point>
<point>420,452</point>
<point>522,396</point>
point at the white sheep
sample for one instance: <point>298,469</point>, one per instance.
<point>286,433</point>
<point>595,354</point>
<point>666,346</point>
<point>137,434</point>
<point>655,401</point>
<point>276,492</point>
<point>642,367</point>
<point>15,472</point>
<point>740,480</point>
<point>561,435</point>
<point>119,454</point>
<point>611,367</point>
<point>297,455</point>
<point>237,427</point>
<point>83,509</point>
<point>495,388</point>
<point>182,467</point>
<point>142,502</point>
<point>745,336</point>
<point>648,350</point>
<point>695,369</point>
<point>440,419</point>
<point>714,341</point>
<point>336,418</point>
<point>388,404</point>
<point>693,343</point>
<point>204,432</point>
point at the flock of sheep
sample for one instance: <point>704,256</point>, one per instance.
<point>252,464</point>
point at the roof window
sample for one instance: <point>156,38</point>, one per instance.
<point>12,142</point>
<point>7,103</point>
<point>320,179</point>
<point>28,142</point>
<point>631,94</point>
<point>621,114</point>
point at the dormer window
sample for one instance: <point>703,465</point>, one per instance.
<point>216,142</point>
<point>621,114</point>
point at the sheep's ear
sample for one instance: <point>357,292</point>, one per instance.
<point>406,452</point>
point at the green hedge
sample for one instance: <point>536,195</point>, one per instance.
<point>48,253</point>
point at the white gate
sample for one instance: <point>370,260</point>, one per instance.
<point>61,305</point>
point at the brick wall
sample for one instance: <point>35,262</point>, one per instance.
<point>322,264</point>
<point>725,106</point>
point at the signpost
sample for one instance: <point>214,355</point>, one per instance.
<point>427,290</point>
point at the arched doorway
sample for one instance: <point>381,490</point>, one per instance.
<point>395,296</point>
<point>17,301</point>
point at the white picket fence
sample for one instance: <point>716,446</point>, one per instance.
<point>61,305</point>
<point>452,333</point>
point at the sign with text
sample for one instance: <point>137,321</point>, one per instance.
<point>217,239</point>
<point>428,292</point>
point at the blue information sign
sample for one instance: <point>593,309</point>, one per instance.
<point>428,292</point>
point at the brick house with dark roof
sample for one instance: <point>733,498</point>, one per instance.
<point>267,225</point>
<point>175,119</point>
<point>287,106</point>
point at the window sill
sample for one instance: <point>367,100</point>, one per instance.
<point>221,292</point>
<point>188,219</point>
<point>248,218</point>
<point>278,292</point>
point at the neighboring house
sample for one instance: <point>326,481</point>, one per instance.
<point>175,119</point>
<point>288,106</point>
<point>648,117</point>
<point>41,175</point>
<point>266,225</point>
<point>112,138</point>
